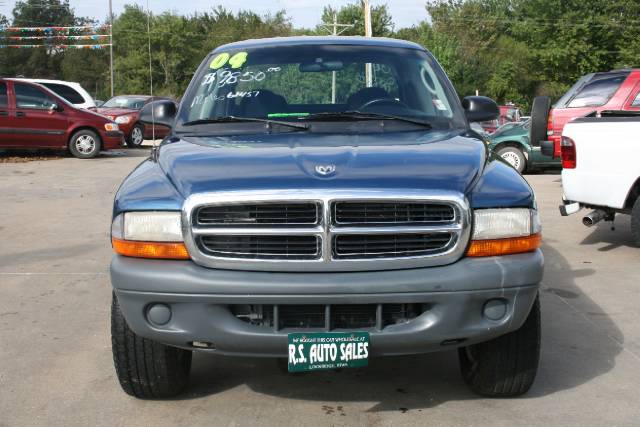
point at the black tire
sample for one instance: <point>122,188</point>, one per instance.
<point>635,222</point>
<point>505,366</point>
<point>136,136</point>
<point>85,144</point>
<point>146,369</point>
<point>539,119</point>
<point>515,157</point>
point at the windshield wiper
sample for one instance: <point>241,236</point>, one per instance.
<point>355,114</point>
<point>232,119</point>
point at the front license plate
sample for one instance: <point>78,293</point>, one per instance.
<point>328,350</point>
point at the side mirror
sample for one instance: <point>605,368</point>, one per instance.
<point>480,108</point>
<point>161,112</point>
<point>54,108</point>
<point>546,148</point>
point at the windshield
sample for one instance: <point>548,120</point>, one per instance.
<point>318,82</point>
<point>129,102</point>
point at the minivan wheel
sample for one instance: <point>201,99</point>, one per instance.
<point>136,137</point>
<point>635,222</point>
<point>84,144</point>
<point>515,157</point>
<point>505,366</point>
<point>146,369</point>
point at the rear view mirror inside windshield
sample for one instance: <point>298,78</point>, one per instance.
<point>320,65</point>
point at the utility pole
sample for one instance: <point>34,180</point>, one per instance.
<point>367,33</point>
<point>111,44</point>
<point>335,32</point>
<point>153,117</point>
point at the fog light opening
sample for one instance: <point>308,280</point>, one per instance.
<point>495,309</point>
<point>159,314</point>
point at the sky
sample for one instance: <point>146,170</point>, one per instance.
<point>303,13</point>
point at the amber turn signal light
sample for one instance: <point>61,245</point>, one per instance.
<point>157,250</point>
<point>513,245</point>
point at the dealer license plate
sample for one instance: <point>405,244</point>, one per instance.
<point>327,350</point>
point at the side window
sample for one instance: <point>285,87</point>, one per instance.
<point>597,92</point>
<point>30,97</point>
<point>4,101</point>
<point>67,92</point>
<point>635,103</point>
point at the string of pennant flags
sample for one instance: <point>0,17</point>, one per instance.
<point>56,46</point>
<point>88,37</point>
<point>94,28</point>
<point>55,33</point>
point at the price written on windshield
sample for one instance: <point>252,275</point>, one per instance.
<point>228,77</point>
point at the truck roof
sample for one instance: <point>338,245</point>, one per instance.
<point>319,40</point>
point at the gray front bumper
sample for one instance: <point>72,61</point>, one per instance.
<point>199,299</point>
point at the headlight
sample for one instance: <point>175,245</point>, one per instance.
<point>504,232</point>
<point>149,235</point>
<point>111,127</point>
<point>123,120</point>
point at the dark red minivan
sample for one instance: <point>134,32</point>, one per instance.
<point>32,116</point>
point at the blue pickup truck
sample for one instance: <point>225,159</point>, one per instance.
<point>323,200</point>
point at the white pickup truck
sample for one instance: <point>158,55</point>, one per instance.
<point>601,168</point>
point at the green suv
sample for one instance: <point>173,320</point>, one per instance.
<point>511,142</point>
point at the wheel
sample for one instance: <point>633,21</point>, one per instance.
<point>515,157</point>
<point>136,137</point>
<point>635,222</point>
<point>84,144</point>
<point>505,366</point>
<point>146,369</point>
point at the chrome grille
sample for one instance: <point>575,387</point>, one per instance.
<point>361,213</point>
<point>326,230</point>
<point>390,245</point>
<point>255,247</point>
<point>250,214</point>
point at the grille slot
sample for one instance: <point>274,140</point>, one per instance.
<point>414,213</point>
<point>353,316</point>
<point>261,246</point>
<point>341,316</point>
<point>258,214</point>
<point>389,245</point>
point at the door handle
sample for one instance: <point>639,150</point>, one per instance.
<point>4,113</point>
<point>20,114</point>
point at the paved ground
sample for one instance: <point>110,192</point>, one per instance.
<point>55,357</point>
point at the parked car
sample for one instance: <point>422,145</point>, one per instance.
<point>125,111</point>
<point>509,113</point>
<point>617,90</point>
<point>33,116</point>
<point>274,222</point>
<point>511,142</point>
<point>71,91</point>
<point>604,180</point>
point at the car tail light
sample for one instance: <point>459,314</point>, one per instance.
<point>568,147</point>
<point>551,136</point>
<point>550,124</point>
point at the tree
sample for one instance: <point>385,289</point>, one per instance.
<point>38,62</point>
<point>381,21</point>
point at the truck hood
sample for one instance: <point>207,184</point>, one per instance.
<point>437,160</point>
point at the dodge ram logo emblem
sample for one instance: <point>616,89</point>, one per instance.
<point>325,170</point>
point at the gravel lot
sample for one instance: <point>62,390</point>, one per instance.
<point>55,355</point>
